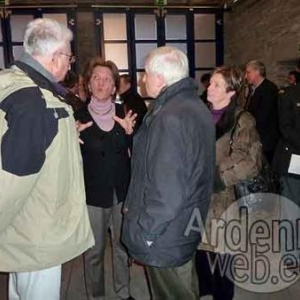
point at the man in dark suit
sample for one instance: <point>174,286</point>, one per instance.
<point>287,152</point>
<point>132,100</point>
<point>289,141</point>
<point>262,103</point>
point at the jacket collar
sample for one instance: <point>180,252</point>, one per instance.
<point>40,80</point>
<point>34,64</point>
<point>170,93</point>
<point>178,87</point>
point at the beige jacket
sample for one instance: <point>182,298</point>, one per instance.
<point>244,162</point>
<point>43,214</point>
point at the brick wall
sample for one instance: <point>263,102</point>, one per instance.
<point>267,30</point>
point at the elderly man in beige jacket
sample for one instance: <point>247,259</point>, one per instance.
<point>43,214</point>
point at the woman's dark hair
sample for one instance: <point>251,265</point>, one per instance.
<point>234,79</point>
<point>99,61</point>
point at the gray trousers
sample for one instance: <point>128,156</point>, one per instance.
<point>101,219</point>
<point>179,283</point>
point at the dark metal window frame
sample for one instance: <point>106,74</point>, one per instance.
<point>161,38</point>
<point>8,43</point>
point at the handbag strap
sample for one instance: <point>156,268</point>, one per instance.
<point>234,129</point>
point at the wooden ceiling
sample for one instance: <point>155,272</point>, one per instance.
<point>179,3</point>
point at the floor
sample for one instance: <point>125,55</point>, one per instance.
<point>73,287</point>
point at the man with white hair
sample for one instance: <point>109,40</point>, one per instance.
<point>44,220</point>
<point>172,173</point>
<point>262,103</point>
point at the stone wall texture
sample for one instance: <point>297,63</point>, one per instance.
<point>86,40</point>
<point>267,30</point>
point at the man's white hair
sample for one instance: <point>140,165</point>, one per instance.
<point>45,36</point>
<point>169,62</point>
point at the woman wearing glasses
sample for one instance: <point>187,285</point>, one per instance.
<point>106,165</point>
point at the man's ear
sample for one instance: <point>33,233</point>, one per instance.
<point>55,57</point>
<point>55,61</point>
<point>161,81</point>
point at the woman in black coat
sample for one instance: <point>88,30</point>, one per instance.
<point>106,163</point>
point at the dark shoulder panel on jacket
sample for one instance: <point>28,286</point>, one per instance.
<point>31,129</point>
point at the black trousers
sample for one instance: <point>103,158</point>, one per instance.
<point>212,283</point>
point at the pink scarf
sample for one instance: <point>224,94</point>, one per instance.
<point>102,113</point>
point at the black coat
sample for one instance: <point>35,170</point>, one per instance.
<point>289,125</point>
<point>106,161</point>
<point>172,173</point>
<point>263,105</point>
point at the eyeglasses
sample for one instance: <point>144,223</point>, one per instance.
<point>72,58</point>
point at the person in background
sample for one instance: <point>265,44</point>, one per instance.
<point>234,162</point>
<point>293,77</point>
<point>287,151</point>
<point>131,99</point>
<point>172,172</point>
<point>106,164</point>
<point>205,83</point>
<point>262,103</point>
<point>73,85</point>
<point>44,221</point>
<point>297,68</point>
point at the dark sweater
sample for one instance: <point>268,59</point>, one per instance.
<point>106,161</point>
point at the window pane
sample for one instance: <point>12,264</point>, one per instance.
<point>205,55</point>
<point>114,27</point>
<point>18,24</point>
<point>61,18</point>
<point>1,58</point>
<point>175,27</point>
<point>181,46</point>
<point>17,52</point>
<point>118,54</point>
<point>204,26</point>
<point>145,27</point>
<point>141,52</point>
